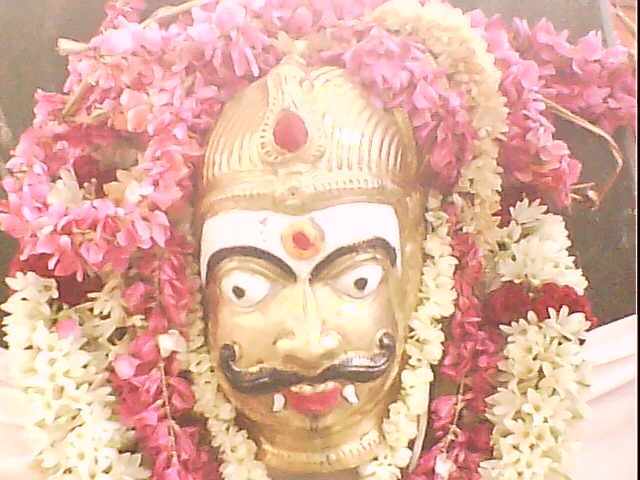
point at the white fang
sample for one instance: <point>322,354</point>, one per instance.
<point>278,402</point>
<point>349,394</point>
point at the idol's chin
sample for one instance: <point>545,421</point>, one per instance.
<point>319,433</point>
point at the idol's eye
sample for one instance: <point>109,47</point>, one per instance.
<point>245,289</point>
<point>359,282</point>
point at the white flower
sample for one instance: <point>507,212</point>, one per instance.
<point>401,457</point>
<point>72,424</point>
<point>572,326</point>
<point>529,434</point>
<point>444,467</point>
<point>377,470</point>
<point>171,342</point>
<point>533,464</point>
<point>129,188</point>
<point>540,254</point>
<point>505,402</point>
<point>65,191</point>
<point>526,213</point>
<point>540,407</point>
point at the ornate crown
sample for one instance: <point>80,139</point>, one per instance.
<point>301,132</point>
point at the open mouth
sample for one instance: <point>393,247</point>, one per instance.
<point>315,399</point>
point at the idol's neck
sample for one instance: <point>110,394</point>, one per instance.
<point>320,451</point>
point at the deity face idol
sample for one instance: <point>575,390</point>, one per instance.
<point>310,257</point>
<point>307,318</point>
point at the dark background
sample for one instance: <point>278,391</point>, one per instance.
<point>604,240</point>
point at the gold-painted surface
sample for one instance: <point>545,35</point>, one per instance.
<point>353,147</point>
<point>286,330</point>
<point>356,152</point>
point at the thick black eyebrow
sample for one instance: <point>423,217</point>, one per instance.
<point>375,243</point>
<point>252,252</point>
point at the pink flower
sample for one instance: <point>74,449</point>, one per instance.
<point>134,297</point>
<point>117,42</point>
<point>125,366</point>
<point>229,15</point>
<point>182,398</point>
<point>442,411</point>
<point>68,329</point>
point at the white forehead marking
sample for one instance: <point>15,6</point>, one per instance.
<point>342,225</point>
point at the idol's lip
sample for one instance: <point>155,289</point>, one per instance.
<point>316,399</point>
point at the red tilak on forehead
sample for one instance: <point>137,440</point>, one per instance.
<point>290,133</point>
<point>302,239</point>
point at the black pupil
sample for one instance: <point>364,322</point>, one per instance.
<point>238,292</point>
<point>361,283</point>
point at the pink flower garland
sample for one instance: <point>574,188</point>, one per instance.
<point>399,73</point>
<point>472,352</point>
<point>534,161</point>
<point>588,79</point>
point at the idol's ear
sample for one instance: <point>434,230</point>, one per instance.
<point>415,224</point>
<point>412,226</point>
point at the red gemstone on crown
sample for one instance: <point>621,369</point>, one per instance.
<point>301,241</point>
<point>290,133</point>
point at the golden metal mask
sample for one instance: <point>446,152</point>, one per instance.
<point>310,252</point>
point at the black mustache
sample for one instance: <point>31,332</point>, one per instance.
<point>356,368</point>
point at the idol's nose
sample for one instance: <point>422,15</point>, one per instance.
<point>305,342</point>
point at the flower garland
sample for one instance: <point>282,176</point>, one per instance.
<point>64,375</point>
<point>423,349</point>
<point>99,198</point>
<point>542,389</point>
<point>535,249</point>
<point>553,171</point>
<point>590,80</point>
<point>546,379</point>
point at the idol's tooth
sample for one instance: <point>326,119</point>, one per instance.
<point>349,394</point>
<point>306,388</point>
<point>296,388</point>
<point>278,402</point>
<point>326,386</point>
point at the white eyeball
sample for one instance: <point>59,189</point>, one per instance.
<point>359,282</point>
<point>245,289</point>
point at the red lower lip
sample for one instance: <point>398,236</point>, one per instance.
<point>315,403</point>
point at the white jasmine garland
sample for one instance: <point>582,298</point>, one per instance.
<point>535,249</point>
<point>537,406</point>
<point>237,450</point>
<point>70,413</point>
<point>424,348</point>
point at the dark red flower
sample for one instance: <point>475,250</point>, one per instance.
<point>87,168</point>
<point>551,295</point>
<point>506,304</point>
<point>70,290</point>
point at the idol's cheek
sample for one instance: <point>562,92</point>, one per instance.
<point>358,322</point>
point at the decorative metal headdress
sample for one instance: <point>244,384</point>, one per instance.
<point>303,131</point>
